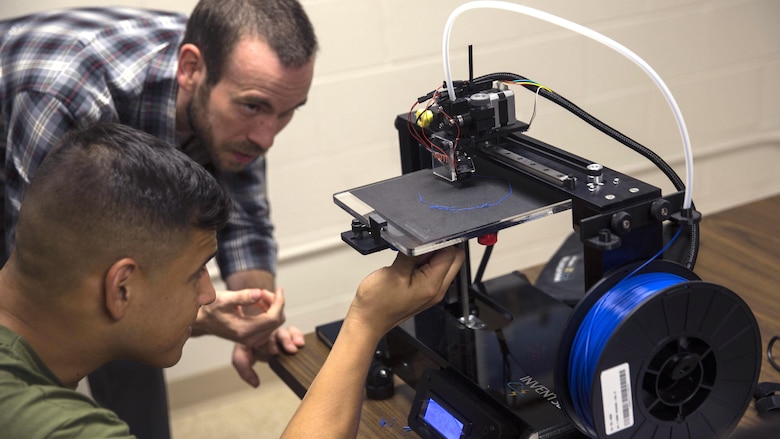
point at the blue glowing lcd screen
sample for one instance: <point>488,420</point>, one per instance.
<point>442,421</point>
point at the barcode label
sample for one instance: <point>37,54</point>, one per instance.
<point>616,399</point>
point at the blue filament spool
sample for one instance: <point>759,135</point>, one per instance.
<point>656,355</point>
<point>599,324</point>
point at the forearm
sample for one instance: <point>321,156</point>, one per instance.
<point>332,404</point>
<point>385,298</point>
<point>250,279</point>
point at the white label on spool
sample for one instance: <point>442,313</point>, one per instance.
<point>616,399</point>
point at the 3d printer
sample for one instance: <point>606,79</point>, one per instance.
<point>648,350</point>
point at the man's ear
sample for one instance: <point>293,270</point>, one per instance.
<point>118,293</point>
<point>191,68</point>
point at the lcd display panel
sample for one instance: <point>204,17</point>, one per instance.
<point>444,422</point>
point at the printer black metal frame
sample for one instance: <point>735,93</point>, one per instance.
<point>619,219</point>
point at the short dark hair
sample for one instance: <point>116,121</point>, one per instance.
<point>216,26</point>
<point>110,191</point>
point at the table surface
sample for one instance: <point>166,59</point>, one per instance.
<point>740,250</point>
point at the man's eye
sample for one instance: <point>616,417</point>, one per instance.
<point>201,272</point>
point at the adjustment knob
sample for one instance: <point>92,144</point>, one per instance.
<point>621,223</point>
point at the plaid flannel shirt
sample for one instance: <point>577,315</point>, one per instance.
<point>63,69</point>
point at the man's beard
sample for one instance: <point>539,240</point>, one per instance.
<point>202,135</point>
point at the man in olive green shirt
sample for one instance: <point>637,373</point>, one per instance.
<point>112,242</point>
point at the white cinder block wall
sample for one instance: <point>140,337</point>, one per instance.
<point>720,58</point>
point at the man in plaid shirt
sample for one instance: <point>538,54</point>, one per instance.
<point>219,85</point>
